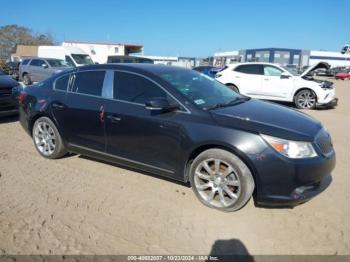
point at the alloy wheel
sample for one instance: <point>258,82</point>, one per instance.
<point>306,99</point>
<point>217,183</point>
<point>44,138</point>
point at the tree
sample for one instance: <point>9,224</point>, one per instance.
<point>13,35</point>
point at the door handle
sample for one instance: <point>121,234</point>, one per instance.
<point>114,118</point>
<point>58,105</point>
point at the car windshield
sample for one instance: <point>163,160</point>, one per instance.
<point>293,71</point>
<point>82,59</point>
<point>57,63</point>
<point>202,90</point>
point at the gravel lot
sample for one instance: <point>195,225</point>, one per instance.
<point>80,206</point>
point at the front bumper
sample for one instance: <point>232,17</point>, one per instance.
<point>8,106</point>
<point>332,103</point>
<point>283,182</point>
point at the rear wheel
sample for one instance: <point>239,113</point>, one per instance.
<point>233,87</point>
<point>221,180</point>
<point>27,80</point>
<point>305,99</point>
<point>47,139</point>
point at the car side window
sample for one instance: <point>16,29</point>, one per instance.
<point>25,62</point>
<point>134,88</point>
<point>272,71</point>
<point>89,82</point>
<point>69,61</point>
<point>249,69</point>
<point>62,83</point>
<point>37,62</point>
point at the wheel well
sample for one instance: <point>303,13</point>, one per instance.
<point>301,89</point>
<point>201,149</point>
<point>32,121</point>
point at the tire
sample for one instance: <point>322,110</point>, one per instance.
<point>216,174</point>
<point>233,87</point>
<point>305,99</point>
<point>26,79</point>
<point>47,140</point>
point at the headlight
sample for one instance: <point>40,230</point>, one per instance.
<point>291,149</point>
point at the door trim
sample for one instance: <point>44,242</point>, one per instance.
<point>121,158</point>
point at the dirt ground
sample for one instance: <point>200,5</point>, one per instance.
<point>79,206</point>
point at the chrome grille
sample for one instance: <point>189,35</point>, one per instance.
<point>324,142</point>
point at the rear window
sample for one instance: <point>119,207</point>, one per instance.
<point>62,83</point>
<point>249,69</point>
<point>89,82</point>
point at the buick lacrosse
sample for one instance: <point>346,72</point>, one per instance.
<point>181,124</point>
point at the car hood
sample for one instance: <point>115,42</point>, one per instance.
<point>319,65</point>
<point>268,118</point>
<point>7,81</point>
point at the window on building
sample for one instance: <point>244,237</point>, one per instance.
<point>90,82</point>
<point>116,50</point>
<point>136,89</point>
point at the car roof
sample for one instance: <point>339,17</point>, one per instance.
<point>252,63</point>
<point>139,67</point>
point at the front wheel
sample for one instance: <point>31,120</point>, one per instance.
<point>221,180</point>
<point>233,87</point>
<point>47,139</point>
<point>27,80</point>
<point>305,99</point>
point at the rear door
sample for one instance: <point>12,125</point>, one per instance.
<point>83,120</point>
<point>32,69</point>
<point>148,138</point>
<point>248,79</point>
<point>274,86</point>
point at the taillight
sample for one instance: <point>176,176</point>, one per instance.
<point>21,96</point>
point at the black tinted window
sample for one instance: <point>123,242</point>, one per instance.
<point>26,61</point>
<point>62,83</point>
<point>37,62</point>
<point>249,69</point>
<point>90,82</point>
<point>134,88</point>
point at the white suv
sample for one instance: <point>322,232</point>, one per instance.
<point>273,82</point>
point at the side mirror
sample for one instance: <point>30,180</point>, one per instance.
<point>160,104</point>
<point>44,65</point>
<point>285,75</point>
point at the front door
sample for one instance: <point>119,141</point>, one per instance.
<point>149,138</point>
<point>274,85</point>
<point>248,79</point>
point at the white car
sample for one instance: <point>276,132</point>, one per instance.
<point>273,82</point>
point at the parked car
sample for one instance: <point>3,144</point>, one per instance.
<point>11,68</point>
<point>114,59</point>
<point>335,70</point>
<point>273,82</point>
<point>38,69</point>
<point>8,103</point>
<point>343,75</point>
<point>74,56</point>
<point>210,71</point>
<point>177,123</point>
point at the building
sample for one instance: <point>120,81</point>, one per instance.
<point>23,51</point>
<point>285,56</point>
<point>100,51</point>
<point>225,58</point>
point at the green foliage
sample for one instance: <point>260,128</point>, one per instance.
<point>13,35</point>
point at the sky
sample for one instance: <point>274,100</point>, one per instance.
<point>189,27</point>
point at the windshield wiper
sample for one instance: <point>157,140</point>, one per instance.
<point>228,103</point>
